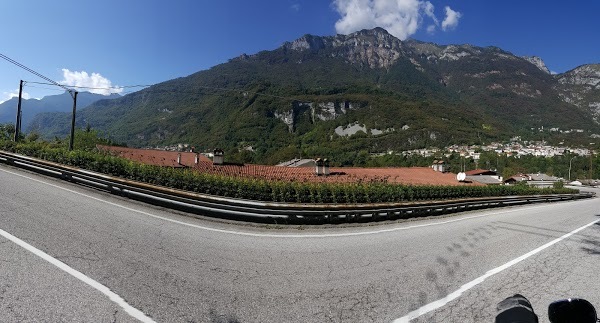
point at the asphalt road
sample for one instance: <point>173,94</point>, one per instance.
<point>175,268</point>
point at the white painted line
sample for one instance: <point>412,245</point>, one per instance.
<point>265,235</point>
<point>457,293</point>
<point>134,312</point>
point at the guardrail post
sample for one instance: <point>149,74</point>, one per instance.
<point>66,176</point>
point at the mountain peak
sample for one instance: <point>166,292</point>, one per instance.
<point>306,42</point>
<point>588,75</point>
<point>377,31</point>
<point>377,37</point>
<point>375,48</point>
<point>538,62</point>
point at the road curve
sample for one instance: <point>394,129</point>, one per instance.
<point>175,268</point>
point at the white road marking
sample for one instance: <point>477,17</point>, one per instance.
<point>134,312</point>
<point>265,235</point>
<point>456,294</point>
<point>412,315</point>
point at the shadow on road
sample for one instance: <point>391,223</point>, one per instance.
<point>517,227</point>
<point>590,240</point>
<point>448,265</point>
<point>592,246</point>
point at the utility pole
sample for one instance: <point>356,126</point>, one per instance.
<point>570,161</point>
<point>18,123</point>
<point>74,94</point>
<point>591,159</point>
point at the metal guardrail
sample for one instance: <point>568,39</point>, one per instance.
<point>256,211</point>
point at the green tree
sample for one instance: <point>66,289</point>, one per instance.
<point>7,131</point>
<point>87,139</point>
<point>32,136</point>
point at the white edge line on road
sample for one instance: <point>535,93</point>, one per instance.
<point>134,312</point>
<point>265,235</point>
<point>457,293</point>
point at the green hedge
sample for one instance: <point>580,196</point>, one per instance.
<point>263,190</point>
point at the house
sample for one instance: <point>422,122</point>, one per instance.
<point>484,176</point>
<point>537,180</point>
<point>590,182</point>
<point>516,179</point>
<point>480,172</point>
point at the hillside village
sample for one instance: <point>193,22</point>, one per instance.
<point>512,149</point>
<point>515,148</point>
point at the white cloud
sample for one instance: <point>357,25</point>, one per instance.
<point>451,20</point>
<point>431,29</point>
<point>94,83</point>
<point>14,94</point>
<point>295,7</point>
<point>428,10</point>
<point>401,18</point>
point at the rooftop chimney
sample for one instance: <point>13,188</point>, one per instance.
<point>218,157</point>
<point>319,166</point>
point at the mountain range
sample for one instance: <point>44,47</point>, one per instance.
<point>52,103</point>
<point>345,95</point>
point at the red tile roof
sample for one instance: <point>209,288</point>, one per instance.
<point>404,175</point>
<point>480,172</point>
<point>156,157</point>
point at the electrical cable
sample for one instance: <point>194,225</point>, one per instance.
<point>41,87</point>
<point>10,60</point>
<point>96,88</point>
<point>52,82</point>
<point>171,91</point>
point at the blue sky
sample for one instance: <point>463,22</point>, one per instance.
<point>119,43</point>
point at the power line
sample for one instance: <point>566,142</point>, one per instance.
<point>52,82</point>
<point>10,60</point>
<point>200,87</point>
<point>96,88</point>
<point>73,94</point>
<point>41,87</point>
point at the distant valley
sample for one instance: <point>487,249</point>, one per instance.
<point>49,104</point>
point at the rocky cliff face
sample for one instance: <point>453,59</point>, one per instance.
<point>316,111</point>
<point>478,73</point>
<point>587,76</point>
<point>537,62</point>
<point>581,87</point>
<point>374,48</point>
